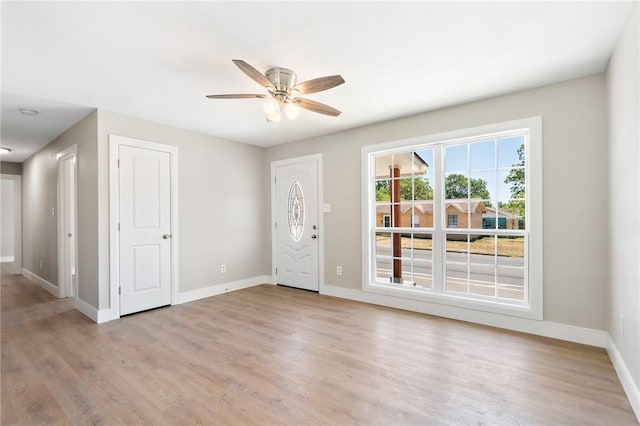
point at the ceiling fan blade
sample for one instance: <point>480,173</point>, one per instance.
<point>238,96</point>
<point>318,84</point>
<point>317,107</point>
<point>255,75</point>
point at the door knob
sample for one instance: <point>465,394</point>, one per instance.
<point>167,236</point>
<point>314,236</point>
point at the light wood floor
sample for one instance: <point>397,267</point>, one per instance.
<point>272,355</point>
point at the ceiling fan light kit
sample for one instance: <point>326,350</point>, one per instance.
<point>283,92</point>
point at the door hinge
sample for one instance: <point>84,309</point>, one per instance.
<point>275,179</point>
<point>276,271</point>
<point>276,224</point>
<point>118,162</point>
<point>118,227</point>
<point>119,290</point>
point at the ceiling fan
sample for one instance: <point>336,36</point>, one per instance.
<point>283,91</point>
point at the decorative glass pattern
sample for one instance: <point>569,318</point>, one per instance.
<point>296,211</point>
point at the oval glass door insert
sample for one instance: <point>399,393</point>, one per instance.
<point>296,211</point>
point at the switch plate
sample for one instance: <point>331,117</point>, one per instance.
<point>326,208</point>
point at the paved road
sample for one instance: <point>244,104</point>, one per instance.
<point>482,268</point>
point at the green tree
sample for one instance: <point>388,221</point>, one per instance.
<point>382,190</point>
<point>459,186</point>
<point>421,190</point>
<point>516,176</point>
<point>516,180</point>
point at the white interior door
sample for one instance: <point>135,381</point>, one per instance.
<point>296,191</point>
<point>145,228</point>
<point>68,224</point>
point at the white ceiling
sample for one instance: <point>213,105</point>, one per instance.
<point>157,61</point>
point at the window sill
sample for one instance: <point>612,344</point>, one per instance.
<point>497,307</point>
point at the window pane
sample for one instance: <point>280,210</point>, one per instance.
<point>482,279</point>
<point>423,260</point>
<point>477,210</point>
<point>423,273</point>
<point>511,214</point>
<point>407,272</point>
<point>422,189</point>
<point>482,248</point>
<point>455,158</point>
<point>383,190</point>
<point>383,244</point>
<point>482,185</point>
<point>456,186</point>
<point>383,269</point>
<point>490,215</point>
<point>511,251</point>
<point>511,151</point>
<point>511,183</point>
<point>457,213</point>
<point>482,155</point>
<point>424,212</point>
<point>456,262</point>
<point>511,283</point>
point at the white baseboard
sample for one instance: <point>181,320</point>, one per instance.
<point>630,388</point>
<point>214,290</point>
<point>587,336</point>
<point>41,282</point>
<point>86,309</point>
<point>107,314</point>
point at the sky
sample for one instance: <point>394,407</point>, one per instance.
<point>481,162</point>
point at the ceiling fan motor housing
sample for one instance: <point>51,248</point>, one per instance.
<point>282,79</point>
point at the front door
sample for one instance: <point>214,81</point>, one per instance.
<point>144,187</point>
<point>296,191</point>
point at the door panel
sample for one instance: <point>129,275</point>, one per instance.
<point>69,227</point>
<point>297,225</point>
<point>145,217</point>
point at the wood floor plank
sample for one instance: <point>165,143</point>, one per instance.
<point>279,356</point>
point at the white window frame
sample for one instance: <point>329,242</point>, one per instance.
<point>534,208</point>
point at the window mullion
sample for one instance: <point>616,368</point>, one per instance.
<point>438,248</point>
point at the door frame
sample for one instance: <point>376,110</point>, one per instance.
<point>16,266</point>
<point>115,142</point>
<point>274,250</point>
<point>71,151</point>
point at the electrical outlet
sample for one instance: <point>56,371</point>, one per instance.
<point>223,268</point>
<point>53,211</point>
<point>339,270</point>
<point>41,264</point>
<point>621,325</point>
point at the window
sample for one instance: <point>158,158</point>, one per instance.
<point>461,218</point>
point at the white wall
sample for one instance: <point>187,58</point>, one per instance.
<point>623,73</point>
<point>575,188</point>
<point>39,196</point>
<point>222,202</point>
